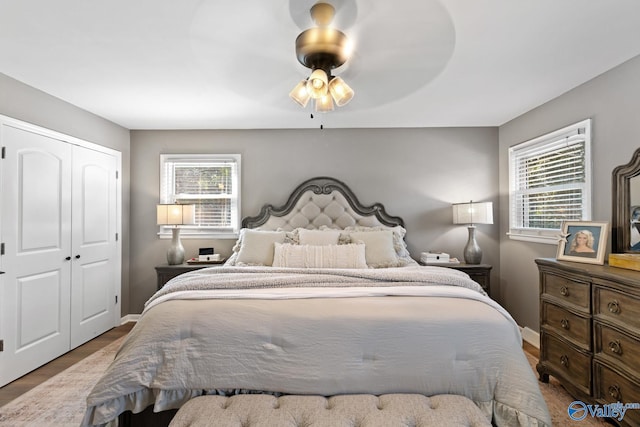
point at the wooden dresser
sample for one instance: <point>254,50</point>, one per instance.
<point>590,332</point>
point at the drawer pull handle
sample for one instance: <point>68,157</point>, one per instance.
<point>614,307</point>
<point>564,291</point>
<point>565,324</point>
<point>615,347</point>
<point>614,392</point>
<point>564,360</point>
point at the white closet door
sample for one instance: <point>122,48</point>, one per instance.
<point>94,252</point>
<point>35,207</point>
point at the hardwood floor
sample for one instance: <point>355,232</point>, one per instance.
<point>32,379</point>
<point>531,349</point>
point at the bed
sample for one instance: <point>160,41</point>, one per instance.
<point>320,297</point>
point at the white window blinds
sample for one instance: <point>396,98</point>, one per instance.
<point>550,182</point>
<point>210,182</point>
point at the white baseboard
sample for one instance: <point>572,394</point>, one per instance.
<point>129,318</point>
<point>531,336</point>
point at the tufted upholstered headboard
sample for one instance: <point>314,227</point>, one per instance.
<point>321,201</point>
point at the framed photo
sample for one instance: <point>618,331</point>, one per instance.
<point>583,241</point>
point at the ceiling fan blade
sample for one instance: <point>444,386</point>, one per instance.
<point>395,56</point>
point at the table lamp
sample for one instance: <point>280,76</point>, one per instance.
<point>176,215</point>
<point>473,213</point>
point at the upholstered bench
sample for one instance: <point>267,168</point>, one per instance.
<point>363,410</point>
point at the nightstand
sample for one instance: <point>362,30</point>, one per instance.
<point>480,273</point>
<point>168,272</point>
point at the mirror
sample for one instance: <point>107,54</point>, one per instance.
<point>625,224</point>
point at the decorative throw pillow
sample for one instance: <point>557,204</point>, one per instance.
<point>318,237</point>
<point>257,247</point>
<point>319,256</point>
<point>379,250</point>
<point>399,245</point>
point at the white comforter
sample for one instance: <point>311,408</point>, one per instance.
<point>426,330</point>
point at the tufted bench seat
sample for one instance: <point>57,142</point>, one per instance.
<point>363,410</point>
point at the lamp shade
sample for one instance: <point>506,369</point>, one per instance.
<point>175,214</point>
<point>473,213</point>
<point>340,91</point>
<point>300,93</point>
<point>318,84</point>
<point>324,104</point>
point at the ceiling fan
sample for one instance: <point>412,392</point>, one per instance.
<point>322,49</point>
<point>392,48</point>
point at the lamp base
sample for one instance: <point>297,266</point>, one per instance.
<point>175,254</point>
<point>472,252</point>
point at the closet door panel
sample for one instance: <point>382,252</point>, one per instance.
<point>94,244</point>
<point>38,322</point>
<point>35,229</point>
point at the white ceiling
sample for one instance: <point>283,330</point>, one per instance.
<point>213,64</point>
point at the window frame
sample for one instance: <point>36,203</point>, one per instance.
<point>167,196</point>
<point>549,235</point>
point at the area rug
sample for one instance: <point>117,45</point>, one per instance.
<point>60,401</point>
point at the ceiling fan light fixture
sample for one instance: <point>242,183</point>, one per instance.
<point>324,104</point>
<point>318,84</point>
<point>340,91</point>
<point>323,49</point>
<point>300,94</point>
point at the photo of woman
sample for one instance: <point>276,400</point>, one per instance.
<point>583,241</point>
<point>582,244</point>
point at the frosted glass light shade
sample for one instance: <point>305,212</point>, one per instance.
<point>324,104</point>
<point>175,214</point>
<point>318,83</point>
<point>340,91</point>
<point>300,93</point>
<point>473,213</point>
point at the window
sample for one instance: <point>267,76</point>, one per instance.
<point>209,181</point>
<point>550,182</point>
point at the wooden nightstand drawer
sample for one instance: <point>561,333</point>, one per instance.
<point>616,307</point>
<point>479,273</point>
<point>571,291</point>
<point>165,273</point>
<point>611,386</point>
<point>566,361</point>
<point>616,345</point>
<point>571,326</point>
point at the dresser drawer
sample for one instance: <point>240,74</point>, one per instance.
<point>617,346</point>
<point>610,386</point>
<point>616,307</point>
<point>569,325</point>
<point>567,362</point>
<point>571,291</point>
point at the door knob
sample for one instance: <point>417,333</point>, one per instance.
<point>77,256</point>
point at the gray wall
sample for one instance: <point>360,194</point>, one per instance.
<point>25,103</point>
<point>415,173</point>
<point>612,100</point>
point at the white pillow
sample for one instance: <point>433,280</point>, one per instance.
<point>379,249</point>
<point>318,237</point>
<point>319,256</point>
<point>257,247</point>
<point>404,257</point>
